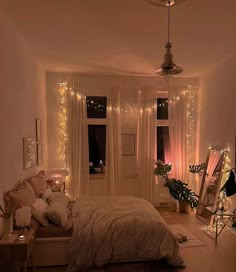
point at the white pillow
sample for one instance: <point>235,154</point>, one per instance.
<point>47,193</point>
<point>57,213</point>
<point>59,197</point>
<point>38,210</point>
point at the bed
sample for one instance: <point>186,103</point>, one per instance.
<point>119,229</point>
<point>93,231</point>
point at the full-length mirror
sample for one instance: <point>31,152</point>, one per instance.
<point>211,183</point>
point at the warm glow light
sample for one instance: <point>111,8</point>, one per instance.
<point>78,96</point>
<point>62,117</point>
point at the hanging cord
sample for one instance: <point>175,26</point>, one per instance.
<point>168,21</point>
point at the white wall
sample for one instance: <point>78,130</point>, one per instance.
<point>218,110</point>
<point>22,99</point>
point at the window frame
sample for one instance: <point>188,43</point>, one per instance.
<point>97,121</point>
<point>160,122</point>
<point>163,196</point>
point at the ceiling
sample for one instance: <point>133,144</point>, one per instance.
<point>124,36</point>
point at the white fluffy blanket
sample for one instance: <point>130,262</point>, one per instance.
<point>108,229</point>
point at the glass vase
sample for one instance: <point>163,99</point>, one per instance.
<point>8,225</point>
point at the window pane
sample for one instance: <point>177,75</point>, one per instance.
<point>96,106</point>
<point>163,144</point>
<point>97,144</point>
<point>162,108</point>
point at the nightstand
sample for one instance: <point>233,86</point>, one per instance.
<point>16,254</point>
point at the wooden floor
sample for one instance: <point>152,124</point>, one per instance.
<point>208,258</point>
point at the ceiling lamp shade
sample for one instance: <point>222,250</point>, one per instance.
<point>168,68</point>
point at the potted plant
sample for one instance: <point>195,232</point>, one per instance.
<point>6,212</point>
<point>178,189</point>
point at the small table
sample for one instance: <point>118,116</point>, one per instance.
<point>221,220</point>
<point>15,253</point>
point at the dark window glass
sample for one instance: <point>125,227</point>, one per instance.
<point>162,108</point>
<point>97,144</point>
<point>163,144</point>
<point>96,106</point>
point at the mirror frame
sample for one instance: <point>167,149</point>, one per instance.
<point>205,212</point>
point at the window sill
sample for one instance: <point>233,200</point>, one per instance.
<point>97,176</point>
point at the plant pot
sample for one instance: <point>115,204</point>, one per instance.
<point>184,207</point>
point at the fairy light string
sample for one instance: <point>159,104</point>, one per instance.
<point>62,116</point>
<point>188,97</point>
<point>188,94</point>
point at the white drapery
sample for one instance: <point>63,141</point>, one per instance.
<point>146,143</point>
<point>113,142</point>
<point>77,145</point>
<point>182,129</point>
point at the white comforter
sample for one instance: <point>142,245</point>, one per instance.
<point>108,229</point>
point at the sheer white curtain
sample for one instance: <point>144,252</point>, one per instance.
<point>146,143</point>
<point>77,145</point>
<point>113,142</point>
<point>182,129</point>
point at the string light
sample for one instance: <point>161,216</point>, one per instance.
<point>187,94</point>
<point>189,97</point>
<point>63,87</point>
<point>95,106</point>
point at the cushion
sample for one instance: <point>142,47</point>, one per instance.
<point>57,214</point>
<point>69,222</point>
<point>39,184</point>
<point>23,216</point>
<point>38,211</point>
<point>59,197</point>
<point>47,193</point>
<point>70,206</point>
<point>22,195</point>
<point>47,179</point>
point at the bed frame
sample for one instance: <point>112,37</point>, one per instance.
<point>55,252</point>
<point>51,251</point>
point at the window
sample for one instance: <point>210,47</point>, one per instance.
<point>163,143</point>
<point>97,144</point>
<point>162,130</point>
<point>96,119</point>
<point>96,106</point>
<point>162,108</point>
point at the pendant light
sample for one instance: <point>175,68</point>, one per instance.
<point>168,68</point>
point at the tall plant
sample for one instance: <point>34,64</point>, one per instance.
<point>178,189</point>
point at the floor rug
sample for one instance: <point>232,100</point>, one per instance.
<point>192,240</point>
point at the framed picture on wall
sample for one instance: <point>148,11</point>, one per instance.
<point>29,152</point>
<point>128,144</point>
<point>38,130</point>
<point>39,154</point>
